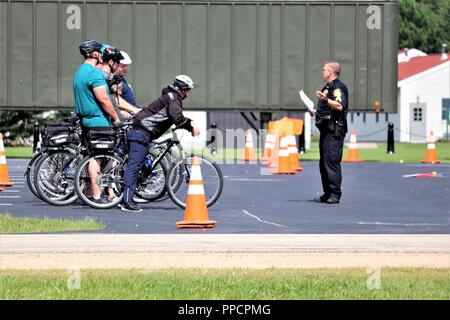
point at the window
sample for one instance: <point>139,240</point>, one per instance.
<point>417,114</point>
<point>446,109</point>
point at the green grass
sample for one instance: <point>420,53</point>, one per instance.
<point>408,152</point>
<point>10,224</point>
<point>405,152</point>
<point>269,284</point>
<point>19,152</point>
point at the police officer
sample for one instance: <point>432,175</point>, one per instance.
<point>122,71</point>
<point>150,124</point>
<point>331,120</point>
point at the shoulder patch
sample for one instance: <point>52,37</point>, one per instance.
<point>337,94</point>
<point>170,94</point>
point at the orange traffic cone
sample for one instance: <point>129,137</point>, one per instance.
<point>273,162</point>
<point>284,163</point>
<point>196,212</point>
<point>353,155</point>
<point>4,176</point>
<point>249,151</point>
<point>293,153</point>
<point>269,145</point>
<point>431,154</point>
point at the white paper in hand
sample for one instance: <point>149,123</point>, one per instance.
<point>306,100</point>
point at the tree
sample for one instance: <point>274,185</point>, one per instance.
<point>424,25</point>
<point>17,126</point>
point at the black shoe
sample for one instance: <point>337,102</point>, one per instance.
<point>322,199</point>
<point>332,200</point>
<point>130,207</point>
<point>102,200</point>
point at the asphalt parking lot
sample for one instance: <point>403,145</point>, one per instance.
<point>376,200</point>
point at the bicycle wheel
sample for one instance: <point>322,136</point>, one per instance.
<point>53,181</point>
<point>152,185</point>
<point>29,174</point>
<point>108,170</point>
<point>211,175</point>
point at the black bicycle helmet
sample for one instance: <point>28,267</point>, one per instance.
<point>111,53</point>
<point>89,46</point>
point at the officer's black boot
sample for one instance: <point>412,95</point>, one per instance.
<point>322,199</point>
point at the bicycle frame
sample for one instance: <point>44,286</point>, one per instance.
<point>166,147</point>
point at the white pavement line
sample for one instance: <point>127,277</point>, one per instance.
<point>10,191</point>
<point>5,204</point>
<point>9,197</point>
<point>17,179</point>
<point>263,221</point>
<point>257,180</point>
<point>402,224</point>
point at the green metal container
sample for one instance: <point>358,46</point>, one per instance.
<point>245,55</point>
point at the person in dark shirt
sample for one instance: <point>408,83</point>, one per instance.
<point>331,120</point>
<point>110,67</point>
<point>122,71</point>
<point>150,124</point>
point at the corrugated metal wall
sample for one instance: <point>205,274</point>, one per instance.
<point>252,55</point>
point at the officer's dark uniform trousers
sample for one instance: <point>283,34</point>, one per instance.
<point>139,143</point>
<point>331,148</point>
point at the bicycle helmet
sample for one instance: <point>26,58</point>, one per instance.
<point>182,82</point>
<point>89,46</point>
<point>126,58</point>
<point>111,53</point>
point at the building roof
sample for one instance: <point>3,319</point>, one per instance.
<point>407,54</point>
<point>419,64</point>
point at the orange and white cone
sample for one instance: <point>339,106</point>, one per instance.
<point>196,211</point>
<point>269,146</point>
<point>284,163</point>
<point>293,153</point>
<point>353,155</point>
<point>249,151</point>
<point>4,176</point>
<point>431,153</point>
<point>273,162</point>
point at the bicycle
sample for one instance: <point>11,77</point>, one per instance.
<point>178,176</point>
<point>110,170</point>
<point>46,174</point>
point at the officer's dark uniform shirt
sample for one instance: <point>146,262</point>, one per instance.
<point>336,91</point>
<point>127,93</point>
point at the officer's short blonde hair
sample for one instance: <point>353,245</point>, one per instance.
<point>334,66</point>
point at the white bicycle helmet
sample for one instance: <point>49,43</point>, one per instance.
<point>126,58</point>
<point>182,82</point>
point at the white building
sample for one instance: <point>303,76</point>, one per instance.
<point>423,91</point>
<point>423,86</point>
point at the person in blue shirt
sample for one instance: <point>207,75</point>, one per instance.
<point>112,58</point>
<point>92,102</point>
<point>90,90</point>
<point>122,71</point>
